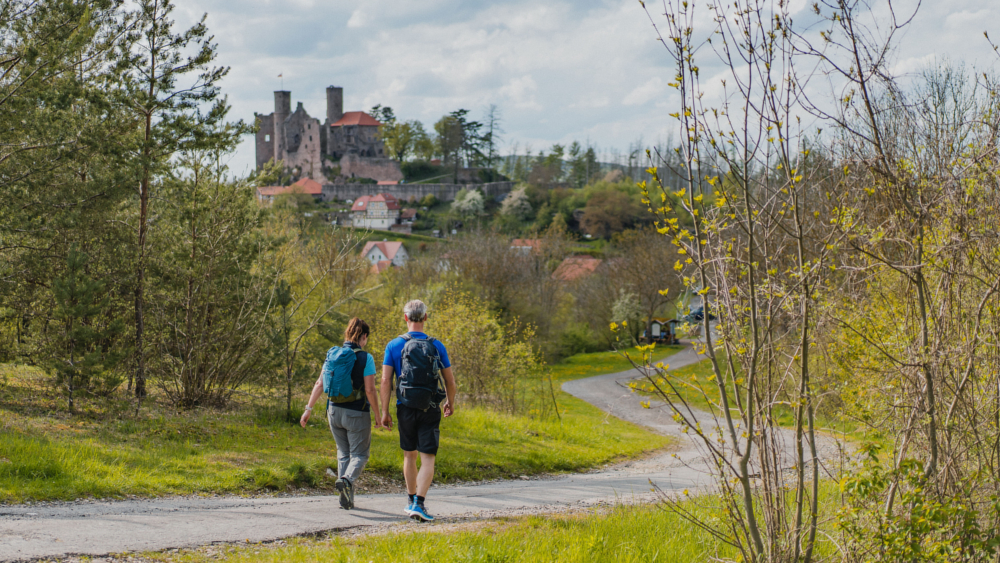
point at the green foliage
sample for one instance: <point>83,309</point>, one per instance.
<point>210,285</point>
<point>496,362</point>
<point>921,525</point>
<point>79,358</point>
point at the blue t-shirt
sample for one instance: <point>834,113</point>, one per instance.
<point>394,354</point>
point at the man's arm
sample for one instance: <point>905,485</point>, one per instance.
<point>387,372</point>
<point>450,389</point>
<point>316,392</point>
<point>373,398</point>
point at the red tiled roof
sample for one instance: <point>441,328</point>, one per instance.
<point>390,200</point>
<point>388,248</point>
<point>308,186</point>
<point>270,190</point>
<point>576,267</point>
<point>532,243</point>
<point>408,214</point>
<point>356,118</point>
<point>361,204</point>
<point>303,186</point>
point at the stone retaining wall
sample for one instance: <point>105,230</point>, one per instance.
<point>403,192</point>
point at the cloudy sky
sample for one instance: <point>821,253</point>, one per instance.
<point>586,70</point>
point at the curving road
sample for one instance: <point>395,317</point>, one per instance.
<point>100,528</point>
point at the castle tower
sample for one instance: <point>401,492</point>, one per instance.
<point>334,104</point>
<point>282,109</point>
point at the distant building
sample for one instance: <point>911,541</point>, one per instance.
<point>574,268</point>
<point>266,194</point>
<point>526,245</point>
<point>384,254</point>
<point>379,212</point>
<point>312,149</point>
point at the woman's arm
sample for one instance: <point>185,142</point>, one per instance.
<point>316,392</point>
<point>372,394</point>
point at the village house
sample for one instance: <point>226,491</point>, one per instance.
<point>526,246</point>
<point>382,255</point>
<point>379,212</point>
<point>266,194</point>
<point>573,268</point>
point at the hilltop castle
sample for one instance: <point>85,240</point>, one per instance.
<point>346,145</point>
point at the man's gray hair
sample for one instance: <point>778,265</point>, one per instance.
<point>416,311</point>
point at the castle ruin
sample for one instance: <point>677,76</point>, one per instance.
<point>346,145</point>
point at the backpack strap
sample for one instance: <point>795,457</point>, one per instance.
<point>406,336</point>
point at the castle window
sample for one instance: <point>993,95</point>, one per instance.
<point>310,137</point>
<point>267,138</point>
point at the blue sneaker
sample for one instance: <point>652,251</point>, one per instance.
<point>419,514</point>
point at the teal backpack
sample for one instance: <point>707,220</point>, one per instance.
<point>337,371</point>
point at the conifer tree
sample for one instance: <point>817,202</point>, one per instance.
<point>79,299</point>
<point>172,89</point>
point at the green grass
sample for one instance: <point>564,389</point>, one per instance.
<point>47,454</point>
<point>624,533</point>
<point>695,384</point>
<point>369,235</point>
<point>599,363</point>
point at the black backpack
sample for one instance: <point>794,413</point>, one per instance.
<point>420,386</point>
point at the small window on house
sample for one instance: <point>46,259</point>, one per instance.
<point>310,137</point>
<point>267,138</point>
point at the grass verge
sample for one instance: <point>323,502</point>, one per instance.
<point>45,454</point>
<point>600,363</point>
<point>695,384</point>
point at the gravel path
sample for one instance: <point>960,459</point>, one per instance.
<point>100,528</point>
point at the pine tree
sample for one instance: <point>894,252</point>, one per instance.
<point>167,89</point>
<point>79,300</point>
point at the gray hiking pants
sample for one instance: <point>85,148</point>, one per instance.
<point>353,432</point>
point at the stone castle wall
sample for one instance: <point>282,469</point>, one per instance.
<point>383,169</point>
<point>403,192</point>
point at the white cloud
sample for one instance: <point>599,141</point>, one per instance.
<point>358,19</point>
<point>521,91</point>
<point>559,70</point>
<point>645,92</point>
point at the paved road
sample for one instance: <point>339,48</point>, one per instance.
<point>99,528</point>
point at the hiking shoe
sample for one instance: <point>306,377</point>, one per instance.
<point>419,513</point>
<point>409,508</point>
<point>343,486</point>
<point>350,493</point>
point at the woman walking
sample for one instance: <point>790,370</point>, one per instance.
<point>348,379</point>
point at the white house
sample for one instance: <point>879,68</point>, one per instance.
<point>383,254</point>
<point>378,212</point>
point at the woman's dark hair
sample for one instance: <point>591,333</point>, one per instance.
<point>356,328</point>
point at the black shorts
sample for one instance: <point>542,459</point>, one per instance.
<point>419,430</point>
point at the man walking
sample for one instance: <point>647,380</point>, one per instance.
<point>421,367</point>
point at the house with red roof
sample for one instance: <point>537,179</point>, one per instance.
<point>384,254</point>
<point>526,245</point>
<point>574,268</point>
<point>379,212</point>
<point>308,186</point>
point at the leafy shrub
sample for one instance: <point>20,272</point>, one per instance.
<point>492,367</point>
<point>922,525</point>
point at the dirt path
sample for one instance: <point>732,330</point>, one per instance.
<point>99,528</point>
